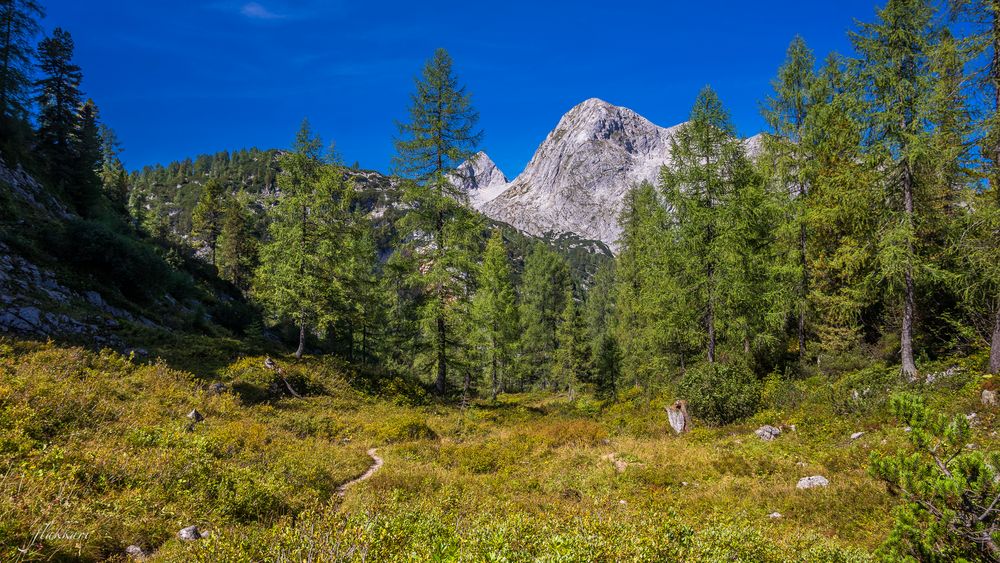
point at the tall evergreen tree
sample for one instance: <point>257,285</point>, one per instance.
<point>792,157</point>
<point>572,361</point>
<point>114,177</point>
<point>982,18</point>
<point>895,71</point>
<point>543,298</point>
<point>443,234</point>
<point>209,214</point>
<point>18,27</point>
<point>237,245</point>
<point>495,313</point>
<point>59,100</point>
<point>708,190</point>
<point>842,212</point>
<point>297,277</point>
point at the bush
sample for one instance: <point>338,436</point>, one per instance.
<point>721,394</point>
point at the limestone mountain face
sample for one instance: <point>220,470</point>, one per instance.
<point>577,180</point>
<point>480,178</point>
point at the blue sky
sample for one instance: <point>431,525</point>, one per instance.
<point>180,78</point>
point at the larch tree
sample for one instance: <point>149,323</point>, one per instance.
<point>791,155</point>
<point>297,277</point>
<point>980,239</point>
<point>894,68</point>
<point>710,170</point>
<point>494,311</point>
<point>572,360</point>
<point>114,177</point>
<point>237,245</point>
<point>443,234</point>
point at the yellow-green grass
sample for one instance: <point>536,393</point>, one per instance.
<point>98,445</point>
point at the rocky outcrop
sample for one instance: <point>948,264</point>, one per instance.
<point>812,482</point>
<point>577,180</point>
<point>677,414</point>
<point>768,432</point>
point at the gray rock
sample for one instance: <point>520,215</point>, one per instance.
<point>217,388</point>
<point>774,515</point>
<point>190,533</point>
<point>93,298</point>
<point>136,552</point>
<point>767,432</point>
<point>989,398</point>
<point>857,435</point>
<point>195,415</point>
<point>678,416</point>
<point>810,482</point>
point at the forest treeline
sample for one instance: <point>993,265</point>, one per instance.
<point>864,227</point>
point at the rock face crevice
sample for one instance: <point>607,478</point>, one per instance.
<point>578,177</point>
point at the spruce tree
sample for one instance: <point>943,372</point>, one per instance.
<point>494,311</point>
<point>59,100</point>
<point>443,234</point>
<point>114,178</point>
<point>895,71</point>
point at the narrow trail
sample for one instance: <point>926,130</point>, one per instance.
<point>375,466</point>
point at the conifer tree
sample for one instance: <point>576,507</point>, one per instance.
<point>114,178</point>
<point>979,242</point>
<point>58,101</point>
<point>296,279</point>
<point>18,28</point>
<point>443,234</point>
<point>543,299</point>
<point>791,155</point>
<point>208,215</point>
<point>712,257</point>
<point>237,245</point>
<point>495,313</point>
<point>572,360</point>
<point>895,72</point>
<point>842,212</point>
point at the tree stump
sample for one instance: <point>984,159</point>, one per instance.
<point>680,421</point>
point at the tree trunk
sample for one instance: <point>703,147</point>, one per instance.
<point>496,380</point>
<point>710,321</point>
<point>442,356</point>
<point>909,367</point>
<point>803,284</point>
<point>995,345</point>
<point>302,340</point>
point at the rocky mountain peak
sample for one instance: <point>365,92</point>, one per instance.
<point>480,178</point>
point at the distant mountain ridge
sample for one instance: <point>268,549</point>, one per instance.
<point>578,177</point>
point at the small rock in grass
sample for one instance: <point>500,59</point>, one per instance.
<point>190,533</point>
<point>767,432</point>
<point>622,502</point>
<point>217,388</point>
<point>774,515</point>
<point>136,552</point>
<point>989,398</point>
<point>810,482</point>
<point>857,435</point>
<point>195,415</point>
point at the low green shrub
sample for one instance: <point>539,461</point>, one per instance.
<point>721,393</point>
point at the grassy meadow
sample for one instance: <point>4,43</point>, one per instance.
<point>97,454</point>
